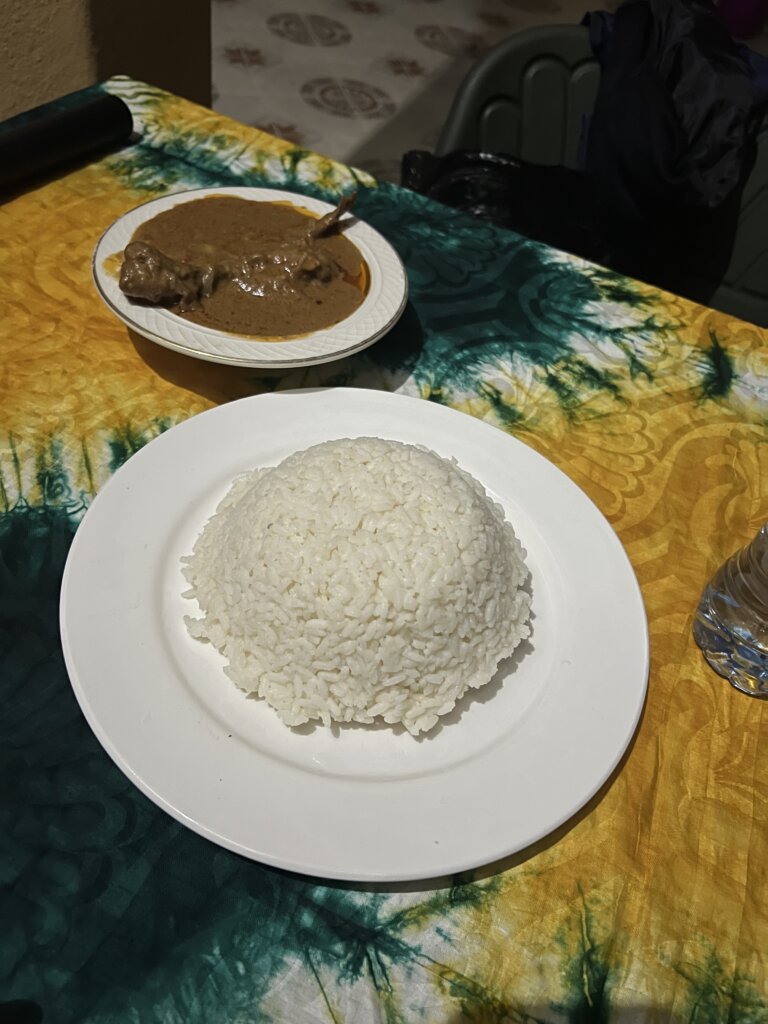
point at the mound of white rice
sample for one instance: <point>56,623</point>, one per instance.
<point>359,579</point>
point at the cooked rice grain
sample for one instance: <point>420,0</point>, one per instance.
<point>359,579</point>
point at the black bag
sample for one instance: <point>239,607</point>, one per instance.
<point>551,204</point>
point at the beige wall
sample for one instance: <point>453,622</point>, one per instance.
<point>52,47</point>
<point>45,51</point>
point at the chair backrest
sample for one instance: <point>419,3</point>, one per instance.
<point>527,97</point>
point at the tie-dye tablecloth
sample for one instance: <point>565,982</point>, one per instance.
<point>652,905</point>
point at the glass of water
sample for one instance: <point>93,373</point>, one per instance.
<point>731,624</point>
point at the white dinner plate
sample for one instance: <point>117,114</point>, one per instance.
<point>511,763</point>
<point>379,312</point>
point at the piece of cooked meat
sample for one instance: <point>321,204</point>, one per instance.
<point>149,274</point>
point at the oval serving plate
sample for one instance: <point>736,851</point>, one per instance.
<point>379,311</point>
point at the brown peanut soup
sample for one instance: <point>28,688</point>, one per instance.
<point>266,269</point>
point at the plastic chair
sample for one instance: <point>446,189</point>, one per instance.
<point>528,97</point>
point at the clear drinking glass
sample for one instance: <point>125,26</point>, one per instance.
<point>731,624</point>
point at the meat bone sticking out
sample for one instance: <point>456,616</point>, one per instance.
<point>150,275</point>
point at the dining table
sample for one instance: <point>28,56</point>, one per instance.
<point>651,902</point>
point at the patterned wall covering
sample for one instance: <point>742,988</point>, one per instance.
<point>359,80</point>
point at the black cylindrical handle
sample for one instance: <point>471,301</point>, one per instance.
<point>72,128</point>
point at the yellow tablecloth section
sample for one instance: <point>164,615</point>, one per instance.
<point>651,905</point>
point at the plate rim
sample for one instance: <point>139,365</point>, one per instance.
<point>396,278</point>
<point>306,866</point>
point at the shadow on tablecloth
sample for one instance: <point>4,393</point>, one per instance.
<point>386,365</point>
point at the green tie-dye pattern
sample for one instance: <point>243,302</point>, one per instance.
<point>127,440</point>
<point>156,172</point>
<point>586,968</point>
<point>224,159</point>
<point>88,469</point>
<point>718,375</point>
<point>118,914</point>
<point>51,475</point>
<point>15,471</point>
<point>508,416</point>
<point>715,995</point>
